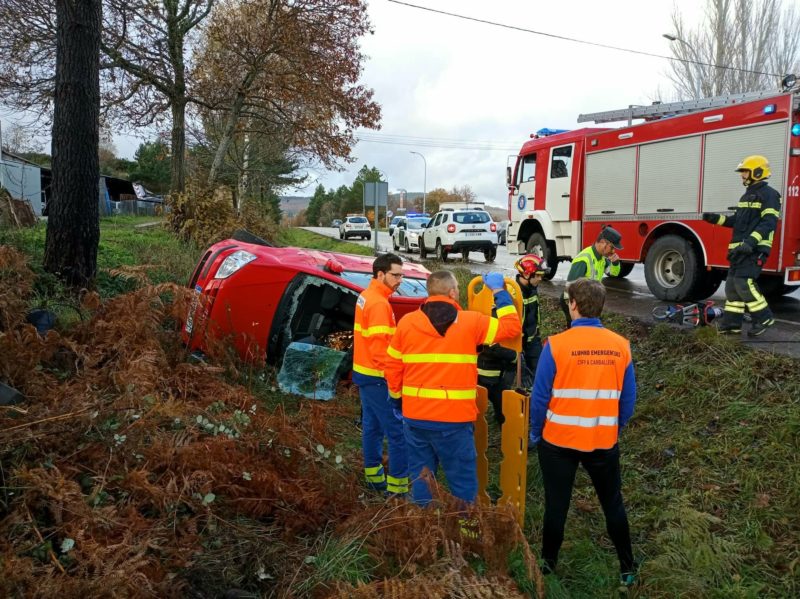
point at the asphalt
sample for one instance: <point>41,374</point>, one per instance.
<point>629,296</point>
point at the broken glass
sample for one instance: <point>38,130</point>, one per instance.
<point>311,370</point>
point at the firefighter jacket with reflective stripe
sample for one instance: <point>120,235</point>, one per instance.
<point>755,219</point>
<point>585,388</point>
<point>373,329</point>
<point>591,265</point>
<point>433,363</point>
<point>531,315</point>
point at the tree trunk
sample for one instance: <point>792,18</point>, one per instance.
<point>178,173</point>
<point>73,227</point>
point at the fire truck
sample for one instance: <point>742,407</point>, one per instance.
<point>652,181</point>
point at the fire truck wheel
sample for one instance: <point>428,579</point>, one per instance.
<point>537,244</point>
<point>672,269</point>
<point>441,253</point>
<point>707,285</point>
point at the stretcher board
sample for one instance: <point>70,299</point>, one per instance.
<point>483,302</point>
<point>514,445</point>
<point>482,445</point>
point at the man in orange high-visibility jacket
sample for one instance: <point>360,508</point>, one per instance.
<point>583,393</point>
<point>372,331</point>
<point>432,367</point>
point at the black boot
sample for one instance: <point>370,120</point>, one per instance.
<point>730,324</point>
<point>759,327</point>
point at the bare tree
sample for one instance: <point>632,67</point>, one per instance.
<point>741,46</point>
<point>144,63</point>
<point>73,228</point>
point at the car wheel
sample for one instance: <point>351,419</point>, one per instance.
<point>490,255</point>
<point>407,247</point>
<point>441,253</point>
<point>340,235</point>
<point>423,252</point>
<point>369,237</point>
<point>537,244</point>
<point>671,269</point>
<point>394,245</point>
<point>465,255</point>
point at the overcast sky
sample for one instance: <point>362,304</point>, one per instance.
<point>446,78</point>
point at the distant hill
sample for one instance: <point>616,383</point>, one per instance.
<point>291,205</point>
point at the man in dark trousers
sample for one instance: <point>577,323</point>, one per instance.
<point>594,262</point>
<point>753,223</point>
<point>583,394</point>
<point>530,272</point>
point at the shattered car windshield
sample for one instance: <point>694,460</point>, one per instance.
<point>408,287</point>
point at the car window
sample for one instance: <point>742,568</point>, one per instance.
<point>416,223</point>
<point>357,219</point>
<point>408,287</point>
<point>396,220</point>
<point>437,220</point>
<point>471,218</point>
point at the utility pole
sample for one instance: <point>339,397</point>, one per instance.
<point>424,180</point>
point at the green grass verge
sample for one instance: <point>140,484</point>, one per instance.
<point>308,239</point>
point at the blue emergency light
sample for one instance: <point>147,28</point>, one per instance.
<point>769,108</point>
<point>418,214</point>
<point>796,129</point>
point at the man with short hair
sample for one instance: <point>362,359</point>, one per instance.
<point>583,394</point>
<point>432,370</point>
<point>373,329</point>
<point>594,262</point>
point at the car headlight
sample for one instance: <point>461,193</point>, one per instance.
<point>412,234</point>
<point>233,263</point>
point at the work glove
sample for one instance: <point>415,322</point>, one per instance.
<point>711,217</point>
<point>743,249</point>
<point>494,281</point>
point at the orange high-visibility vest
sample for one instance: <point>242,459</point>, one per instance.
<point>437,376</point>
<point>373,329</point>
<point>584,406</point>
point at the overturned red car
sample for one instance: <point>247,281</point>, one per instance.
<point>262,298</point>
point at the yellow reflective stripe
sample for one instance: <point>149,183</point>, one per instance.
<point>722,219</point>
<point>374,474</point>
<point>749,205</point>
<point>396,485</point>
<point>530,300</point>
<point>484,372</point>
<point>734,307</point>
<point>505,310</point>
<point>734,244</point>
<point>756,235</point>
<point>492,332</point>
<point>760,302</point>
<point>395,394</point>
<point>394,353</point>
<point>439,393</point>
<point>770,212</point>
<point>440,359</point>
<point>378,330</point>
<point>367,371</point>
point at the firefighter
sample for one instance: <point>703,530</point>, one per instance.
<point>594,262</point>
<point>531,269</point>
<point>431,370</point>
<point>583,394</point>
<point>372,331</point>
<point>753,224</point>
<point>497,366</point>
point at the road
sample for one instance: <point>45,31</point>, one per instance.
<point>629,296</point>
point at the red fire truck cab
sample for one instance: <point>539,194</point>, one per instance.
<point>652,181</point>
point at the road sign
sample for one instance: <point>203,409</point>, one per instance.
<point>389,214</point>
<point>376,191</point>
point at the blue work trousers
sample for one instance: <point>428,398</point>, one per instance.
<point>378,421</point>
<point>454,449</point>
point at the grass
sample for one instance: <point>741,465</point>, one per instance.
<point>308,239</point>
<point>711,476</point>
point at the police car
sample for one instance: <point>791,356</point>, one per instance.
<point>407,230</point>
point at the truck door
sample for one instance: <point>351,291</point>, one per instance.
<point>524,187</point>
<point>559,182</point>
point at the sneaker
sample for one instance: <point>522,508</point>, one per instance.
<point>627,579</point>
<point>758,328</point>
